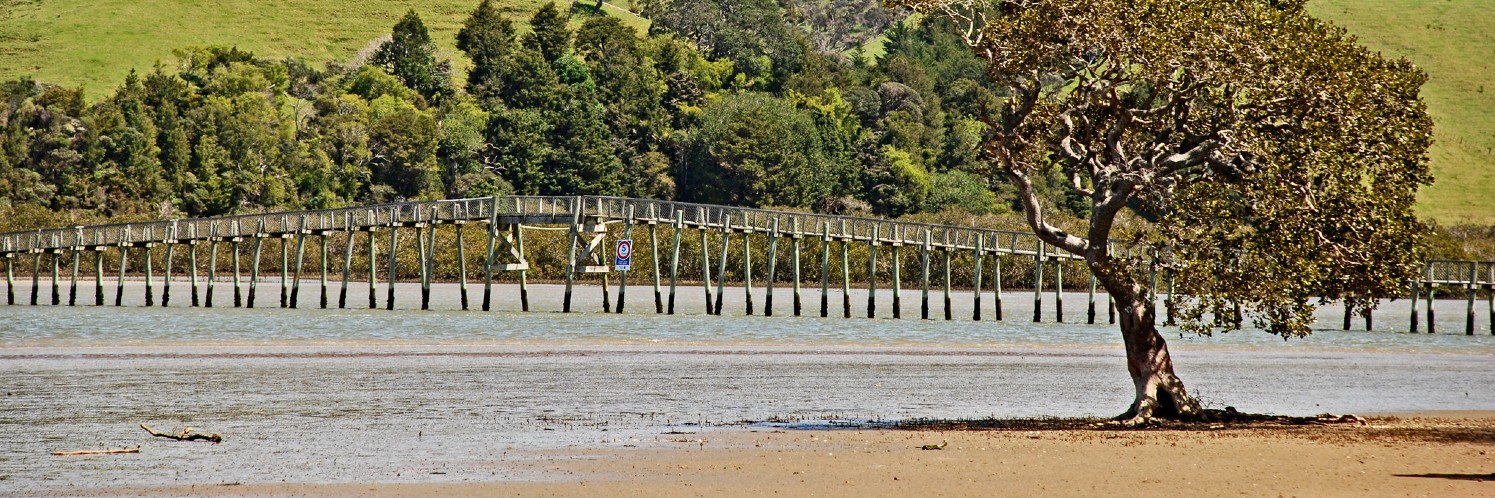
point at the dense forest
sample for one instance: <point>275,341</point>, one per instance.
<point>742,102</point>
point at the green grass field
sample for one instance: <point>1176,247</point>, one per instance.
<point>1454,41</point>
<point>94,43</point>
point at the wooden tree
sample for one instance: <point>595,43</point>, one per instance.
<point>1274,160</point>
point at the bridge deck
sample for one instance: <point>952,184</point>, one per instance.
<point>529,211</point>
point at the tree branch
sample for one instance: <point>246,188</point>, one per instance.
<point>1049,233</point>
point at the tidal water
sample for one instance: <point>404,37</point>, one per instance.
<point>359,395</point>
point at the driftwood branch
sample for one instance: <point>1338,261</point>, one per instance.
<point>95,452</point>
<point>185,435</point>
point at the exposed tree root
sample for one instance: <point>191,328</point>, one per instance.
<point>1228,416</point>
<point>185,435</point>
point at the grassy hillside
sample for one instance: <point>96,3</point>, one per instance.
<point>94,43</point>
<point>1454,41</point>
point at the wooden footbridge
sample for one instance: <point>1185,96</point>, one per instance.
<point>586,221</point>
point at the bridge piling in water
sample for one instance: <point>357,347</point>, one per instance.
<point>825,270</point>
<point>924,287</point>
<point>623,279</point>
<point>897,268</point>
<point>845,274</point>
<point>872,274</point>
<point>980,256</point>
<point>773,253</point>
<point>795,236</point>
<point>949,313</point>
<point>721,272</point>
<point>589,217</point>
<point>747,269</point>
<point>678,224</point>
<point>192,265</point>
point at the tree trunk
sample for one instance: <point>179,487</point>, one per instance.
<point>1160,394</point>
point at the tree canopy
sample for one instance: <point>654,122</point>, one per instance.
<point>1274,160</point>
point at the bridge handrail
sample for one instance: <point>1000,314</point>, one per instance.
<point>836,227</point>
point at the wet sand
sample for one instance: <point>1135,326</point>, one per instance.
<point>411,403</point>
<point>1446,455</point>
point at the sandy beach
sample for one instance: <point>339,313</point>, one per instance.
<point>380,403</point>
<point>1445,455</point>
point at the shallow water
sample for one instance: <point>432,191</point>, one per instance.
<point>313,395</point>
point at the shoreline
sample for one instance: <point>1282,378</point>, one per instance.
<point>1427,454</point>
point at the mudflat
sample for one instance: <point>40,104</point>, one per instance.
<point>1443,454</point>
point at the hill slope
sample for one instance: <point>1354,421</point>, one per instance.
<point>94,43</point>
<point>1454,41</point>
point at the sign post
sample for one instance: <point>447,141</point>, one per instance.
<point>624,255</point>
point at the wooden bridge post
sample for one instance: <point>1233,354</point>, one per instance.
<point>1168,305</point>
<point>166,274</point>
<point>461,263</point>
<point>56,268</point>
<point>825,269</point>
<point>10,279</point>
<point>872,273</point>
<point>98,276</point>
<point>212,264</point>
<point>192,264</point>
<point>996,280</point>
<point>373,264</point>
<point>924,289</point>
<point>518,231</point>
<point>1111,306</point>
<point>845,272</point>
<point>394,249</point>
<point>1489,293</point>
<point>1470,289</point>
<point>488,260</point>
<point>322,239</point>
<point>1416,288</point>
<point>598,253</point>
<point>342,292</point>
<point>72,298</point>
<point>254,266</point>
<point>124,258</point>
<point>576,207</point>
<point>948,249</point>
<point>1090,313</point>
<point>285,267</point>
<point>1059,289</point>
<point>428,261</point>
<point>897,273</point>
<point>747,264</point>
<point>980,255</point>
<point>702,223</point>
<point>1349,314</point>
<point>1038,282</point>
<point>794,237</point>
<point>36,272</point>
<point>654,256</point>
<point>773,250</point>
<point>721,273</point>
<point>1430,298</point>
<point>300,262</point>
<point>423,260</point>
<point>237,287</point>
<point>628,235</point>
<point>150,299</point>
<point>678,225</point>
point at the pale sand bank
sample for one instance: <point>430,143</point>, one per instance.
<point>1447,454</point>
